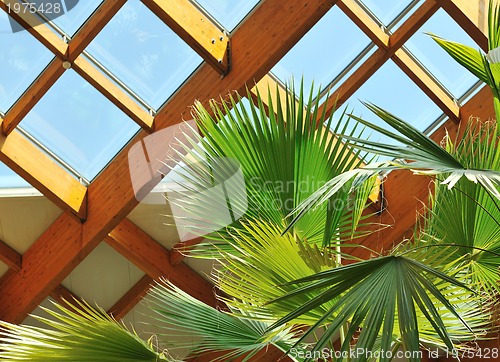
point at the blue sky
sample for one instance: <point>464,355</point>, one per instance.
<point>83,128</point>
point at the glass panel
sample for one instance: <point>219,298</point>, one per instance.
<point>229,13</point>
<point>445,69</point>
<point>392,90</point>
<point>385,10</point>
<point>76,13</point>
<point>323,52</point>
<point>22,58</point>
<point>10,179</point>
<point>79,124</point>
<point>144,53</point>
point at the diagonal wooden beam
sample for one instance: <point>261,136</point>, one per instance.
<point>364,22</point>
<point>92,27</point>
<point>406,193</point>
<point>32,95</point>
<point>111,196</point>
<point>428,84</point>
<point>471,17</point>
<point>381,55</point>
<point>148,255</point>
<point>10,257</point>
<point>39,30</point>
<point>196,29</point>
<point>114,93</point>
<point>70,56</point>
<point>41,274</point>
<point>44,174</point>
<point>126,303</point>
<point>392,46</point>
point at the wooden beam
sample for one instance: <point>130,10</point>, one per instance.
<point>126,303</point>
<point>39,30</point>
<point>406,193</point>
<point>472,16</point>
<point>45,264</point>
<point>114,93</point>
<point>44,174</point>
<point>148,255</point>
<point>428,84</point>
<point>71,53</point>
<point>67,298</point>
<point>364,22</point>
<point>67,53</point>
<point>92,27</point>
<point>32,95</point>
<point>63,295</point>
<point>196,29</point>
<point>381,55</point>
<point>413,23</point>
<point>256,46</point>
<point>176,257</point>
<point>10,257</point>
<point>355,80</point>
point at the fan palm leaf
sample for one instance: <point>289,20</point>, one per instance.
<point>283,157</point>
<point>208,329</point>
<point>379,294</point>
<point>263,267</point>
<point>84,334</point>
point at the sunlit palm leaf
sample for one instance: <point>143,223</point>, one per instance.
<point>264,265</point>
<point>284,157</point>
<point>207,329</point>
<point>420,154</point>
<point>468,215</point>
<point>468,57</point>
<point>87,335</point>
<point>371,294</point>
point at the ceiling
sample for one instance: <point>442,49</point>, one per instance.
<point>78,92</point>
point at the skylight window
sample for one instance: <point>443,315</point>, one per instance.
<point>324,52</point>
<point>453,76</point>
<point>10,179</point>
<point>22,58</point>
<point>74,17</point>
<point>229,13</point>
<point>144,53</point>
<point>386,11</point>
<point>392,90</point>
<point>79,125</point>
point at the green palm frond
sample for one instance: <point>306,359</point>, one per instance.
<point>208,329</point>
<point>377,295</point>
<point>468,57</point>
<point>468,215</point>
<point>87,334</point>
<point>263,267</point>
<point>283,155</point>
<point>418,153</point>
<point>475,61</point>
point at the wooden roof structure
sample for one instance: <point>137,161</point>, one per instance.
<point>97,213</point>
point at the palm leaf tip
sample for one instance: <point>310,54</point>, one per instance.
<point>82,334</point>
<point>372,292</point>
<point>209,329</point>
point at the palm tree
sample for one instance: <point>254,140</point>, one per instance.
<point>283,275</point>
